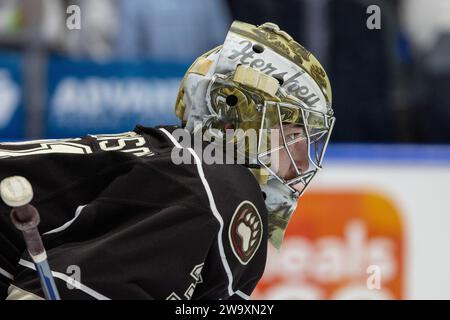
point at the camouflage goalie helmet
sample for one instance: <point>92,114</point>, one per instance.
<point>257,82</point>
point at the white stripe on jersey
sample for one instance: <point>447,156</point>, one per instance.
<point>216,215</point>
<point>69,280</point>
<point>68,223</point>
<point>6,274</point>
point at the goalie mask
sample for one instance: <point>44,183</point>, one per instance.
<point>268,96</point>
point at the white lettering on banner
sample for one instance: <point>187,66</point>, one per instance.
<point>303,266</point>
<point>107,101</point>
<point>9,98</point>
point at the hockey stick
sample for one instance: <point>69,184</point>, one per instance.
<point>17,193</point>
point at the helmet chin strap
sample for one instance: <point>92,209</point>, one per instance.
<point>281,203</point>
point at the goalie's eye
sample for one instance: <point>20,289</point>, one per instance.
<point>294,136</point>
<point>293,132</point>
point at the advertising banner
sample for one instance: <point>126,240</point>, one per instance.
<point>12,113</point>
<point>91,97</point>
<point>374,225</point>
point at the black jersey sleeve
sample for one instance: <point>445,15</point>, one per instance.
<point>120,220</point>
<point>64,173</point>
<point>145,235</point>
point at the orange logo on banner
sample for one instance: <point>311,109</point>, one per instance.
<point>338,246</point>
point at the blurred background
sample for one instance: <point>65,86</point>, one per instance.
<point>382,200</point>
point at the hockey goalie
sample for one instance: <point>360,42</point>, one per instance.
<point>178,212</point>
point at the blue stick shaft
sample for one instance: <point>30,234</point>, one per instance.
<point>47,281</point>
